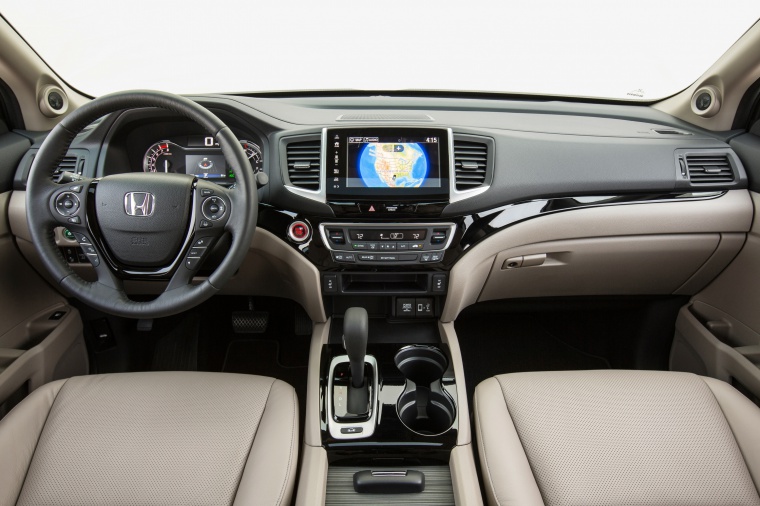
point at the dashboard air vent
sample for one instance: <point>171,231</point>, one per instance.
<point>470,164</point>
<point>304,164</point>
<point>709,168</point>
<point>385,117</point>
<point>68,164</point>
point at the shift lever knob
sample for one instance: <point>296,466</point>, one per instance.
<point>355,331</point>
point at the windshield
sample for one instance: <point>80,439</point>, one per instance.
<point>641,50</point>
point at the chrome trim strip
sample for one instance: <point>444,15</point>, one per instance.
<point>368,426</point>
<point>451,226</point>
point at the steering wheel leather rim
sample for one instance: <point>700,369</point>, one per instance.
<point>241,222</point>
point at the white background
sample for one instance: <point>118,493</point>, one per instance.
<point>590,48</point>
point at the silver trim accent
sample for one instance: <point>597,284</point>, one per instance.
<point>368,426</point>
<point>452,227</point>
<point>139,207</point>
<point>459,195</point>
<point>316,195</point>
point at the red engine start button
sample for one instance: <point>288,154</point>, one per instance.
<point>299,231</point>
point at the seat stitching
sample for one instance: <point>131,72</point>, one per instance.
<point>485,458</point>
<point>290,453</point>
<point>741,452</point>
<point>253,439</point>
<point>530,465</point>
<point>31,460</point>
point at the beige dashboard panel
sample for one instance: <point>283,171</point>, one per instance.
<point>649,264</point>
<point>729,214</point>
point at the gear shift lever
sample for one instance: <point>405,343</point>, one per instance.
<point>355,330</point>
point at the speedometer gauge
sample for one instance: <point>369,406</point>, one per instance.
<point>253,152</point>
<point>160,158</point>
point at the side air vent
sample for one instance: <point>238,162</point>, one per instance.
<point>709,168</point>
<point>304,164</point>
<point>470,164</point>
<point>68,164</point>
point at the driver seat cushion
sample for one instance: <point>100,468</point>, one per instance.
<point>616,438</point>
<point>149,438</point>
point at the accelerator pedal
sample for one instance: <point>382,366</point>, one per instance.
<point>250,322</point>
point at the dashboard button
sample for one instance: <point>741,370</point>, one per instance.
<point>439,283</point>
<point>407,257</point>
<point>344,257</point>
<point>402,246</point>
<point>366,257</point>
<point>299,231</point>
<point>436,257</point>
<point>359,245</point>
<point>387,246</point>
<point>425,258</point>
<point>416,246</point>
<point>372,246</point>
<point>387,258</point>
<point>330,283</point>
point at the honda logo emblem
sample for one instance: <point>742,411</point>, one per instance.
<point>139,203</point>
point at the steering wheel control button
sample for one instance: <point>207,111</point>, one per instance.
<point>196,252</point>
<point>67,203</point>
<point>192,263</point>
<point>82,239</point>
<point>68,234</point>
<point>214,208</point>
<point>77,188</point>
<point>299,231</point>
<point>89,249</point>
<point>75,220</point>
<point>206,192</point>
<point>202,242</point>
<point>94,260</point>
<point>205,224</point>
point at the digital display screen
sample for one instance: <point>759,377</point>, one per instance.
<point>391,163</point>
<point>206,166</point>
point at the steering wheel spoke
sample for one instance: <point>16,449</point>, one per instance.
<point>141,226</point>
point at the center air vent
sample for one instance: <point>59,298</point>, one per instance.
<point>709,168</point>
<point>304,164</point>
<point>470,164</point>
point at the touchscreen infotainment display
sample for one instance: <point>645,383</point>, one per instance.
<point>395,163</point>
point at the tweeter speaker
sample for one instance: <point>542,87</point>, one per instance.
<point>706,101</point>
<point>53,101</point>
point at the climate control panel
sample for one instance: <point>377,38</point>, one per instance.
<point>387,243</point>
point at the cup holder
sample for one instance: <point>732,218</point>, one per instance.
<point>424,407</point>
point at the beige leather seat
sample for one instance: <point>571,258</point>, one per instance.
<point>616,438</point>
<point>176,438</point>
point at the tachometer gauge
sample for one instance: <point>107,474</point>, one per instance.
<point>253,151</point>
<point>160,158</point>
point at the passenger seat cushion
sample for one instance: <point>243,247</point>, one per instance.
<point>618,437</point>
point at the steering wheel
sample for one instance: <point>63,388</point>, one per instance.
<point>141,226</point>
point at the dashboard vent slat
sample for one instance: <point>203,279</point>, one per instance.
<point>67,164</point>
<point>304,164</point>
<point>709,169</point>
<point>470,164</point>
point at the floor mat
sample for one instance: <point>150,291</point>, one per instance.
<point>178,349</point>
<point>496,345</point>
<point>264,357</point>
